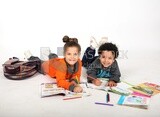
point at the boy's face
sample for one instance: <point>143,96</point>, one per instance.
<point>71,55</point>
<point>106,58</point>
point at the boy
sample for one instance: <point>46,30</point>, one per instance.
<point>104,65</point>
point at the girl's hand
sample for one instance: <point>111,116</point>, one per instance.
<point>78,89</point>
<point>74,83</point>
<point>96,82</point>
<point>111,84</point>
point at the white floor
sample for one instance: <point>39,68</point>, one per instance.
<point>22,98</point>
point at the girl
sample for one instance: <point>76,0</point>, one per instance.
<point>67,70</point>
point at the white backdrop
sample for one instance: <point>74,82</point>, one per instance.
<point>32,24</point>
<point>134,25</point>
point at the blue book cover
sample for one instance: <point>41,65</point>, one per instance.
<point>134,101</point>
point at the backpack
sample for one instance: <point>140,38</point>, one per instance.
<point>18,70</point>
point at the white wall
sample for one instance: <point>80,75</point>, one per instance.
<point>31,24</point>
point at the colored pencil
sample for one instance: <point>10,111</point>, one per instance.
<point>77,79</point>
<point>91,77</point>
<point>127,83</point>
<point>72,98</point>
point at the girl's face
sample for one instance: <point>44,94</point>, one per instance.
<point>106,58</point>
<point>71,55</point>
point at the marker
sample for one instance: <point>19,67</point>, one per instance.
<point>104,104</point>
<point>107,97</point>
<point>72,98</point>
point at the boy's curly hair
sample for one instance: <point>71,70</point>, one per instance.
<point>109,47</point>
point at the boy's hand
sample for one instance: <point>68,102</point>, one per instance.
<point>78,89</point>
<point>111,84</point>
<point>96,82</point>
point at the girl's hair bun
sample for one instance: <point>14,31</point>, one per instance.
<point>67,39</point>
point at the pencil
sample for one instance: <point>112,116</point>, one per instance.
<point>91,77</point>
<point>72,98</point>
<point>104,104</point>
<point>77,79</point>
<point>127,83</point>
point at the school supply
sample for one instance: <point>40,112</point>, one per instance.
<point>154,87</point>
<point>134,101</point>
<point>107,97</point>
<point>142,89</point>
<point>17,70</point>
<point>101,103</point>
<point>51,89</point>
<point>119,89</point>
<point>70,98</point>
<point>139,94</point>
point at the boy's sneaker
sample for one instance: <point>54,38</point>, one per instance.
<point>103,40</point>
<point>93,43</point>
<point>27,54</point>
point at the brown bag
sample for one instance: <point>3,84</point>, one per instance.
<point>18,70</point>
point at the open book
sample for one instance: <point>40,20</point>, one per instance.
<point>119,89</point>
<point>51,89</point>
<point>154,87</point>
<point>134,101</point>
<point>143,89</point>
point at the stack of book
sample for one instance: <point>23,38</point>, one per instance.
<point>140,96</point>
<point>146,89</point>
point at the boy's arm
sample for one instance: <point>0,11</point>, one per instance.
<point>115,72</point>
<point>91,72</point>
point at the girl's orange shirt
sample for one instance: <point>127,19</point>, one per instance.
<point>57,68</point>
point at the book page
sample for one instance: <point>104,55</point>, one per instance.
<point>121,88</point>
<point>51,89</point>
<point>85,92</point>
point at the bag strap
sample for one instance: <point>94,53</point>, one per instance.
<point>18,70</point>
<point>11,61</point>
